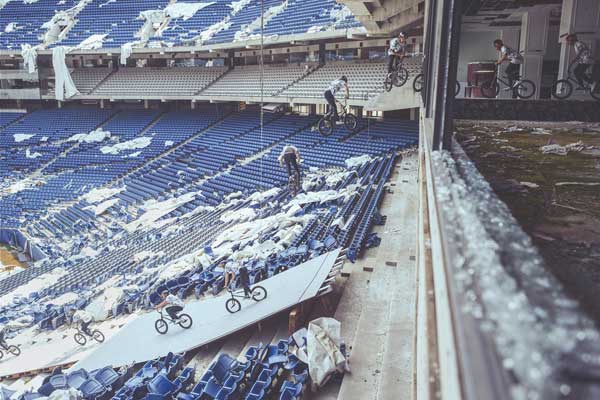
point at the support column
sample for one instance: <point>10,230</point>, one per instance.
<point>193,105</point>
<point>580,17</point>
<point>534,33</point>
<point>102,104</point>
<point>146,104</point>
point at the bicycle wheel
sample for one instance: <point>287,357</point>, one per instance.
<point>80,338</point>
<point>233,305</point>
<point>350,122</point>
<point>185,321</point>
<point>14,350</point>
<point>457,91</point>
<point>490,89</point>
<point>1,354</point>
<point>98,336</point>
<point>161,326</point>
<point>387,83</point>
<point>595,92</point>
<point>325,126</point>
<point>400,77</point>
<point>259,293</point>
<point>525,89</point>
<point>418,83</point>
<point>562,89</point>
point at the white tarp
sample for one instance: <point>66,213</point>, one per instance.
<point>157,209</point>
<point>29,55</point>
<point>358,161</point>
<point>29,154</point>
<point>272,12</point>
<point>21,137</point>
<point>323,355</point>
<point>3,3</point>
<point>100,194</point>
<point>185,10</point>
<point>101,307</point>
<point>64,86</point>
<point>223,24</point>
<point>126,51</point>
<point>35,285</point>
<point>93,42</point>
<point>66,394</point>
<point>10,27</point>
<point>137,143</point>
<point>97,135</point>
<point>155,21</point>
<point>102,207</point>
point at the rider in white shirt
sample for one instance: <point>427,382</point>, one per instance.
<point>173,305</point>
<point>331,91</point>
<point>84,319</point>
<point>514,58</point>
<point>583,59</point>
<point>397,50</point>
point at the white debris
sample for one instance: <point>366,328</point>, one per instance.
<point>102,207</point>
<point>155,22</point>
<point>11,27</point>
<point>358,161</point>
<point>224,24</point>
<point>33,286</point>
<point>155,210</point>
<point>315,28</point>
<point>28,154</point>
<point>577,184</point>
<point>146,254</point>
<point>101,307</point>
<point>272,12</point>
<point>21,137</point>
<point>100,194</point>
<point>24,184</point>
<point>541,131</point>
<point>64,299</point>
<point>93,42</point>
<point>185,10</point>
<point>133,155</point>
<point>339,15</point>
<point>557,149</point>
<point>234,195</point>
<point>29,55</point>
<point>260,196</point>
<point>243,214</point>
<point>107,3</point>
<point>238,6</point>
<point>530,185</point>
<point>94,136</point>
<point>168,143</point>
<point>137,143</point>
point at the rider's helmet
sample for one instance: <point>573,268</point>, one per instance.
<point>401,34</point>
<point>343,78</point>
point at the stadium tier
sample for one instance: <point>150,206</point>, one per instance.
<point>126,200</point>
<point>157,81</point>
<point>219,21</point>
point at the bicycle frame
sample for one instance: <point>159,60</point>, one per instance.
<point>571,75</point>
<point>165,315</point>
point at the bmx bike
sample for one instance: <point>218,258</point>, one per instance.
<point>12,349</point>
<point>81,337</point>
<point>162,324</point>
<point>326,123</point>
<point>521,88</point>
<point>563,88</point>
<point>294,183</point>
<point>233,305</point>
<point>397,77</point>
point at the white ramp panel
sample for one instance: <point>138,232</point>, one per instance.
<point>138,341</point>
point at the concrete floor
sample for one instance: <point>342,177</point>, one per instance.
<point>377,308</point>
